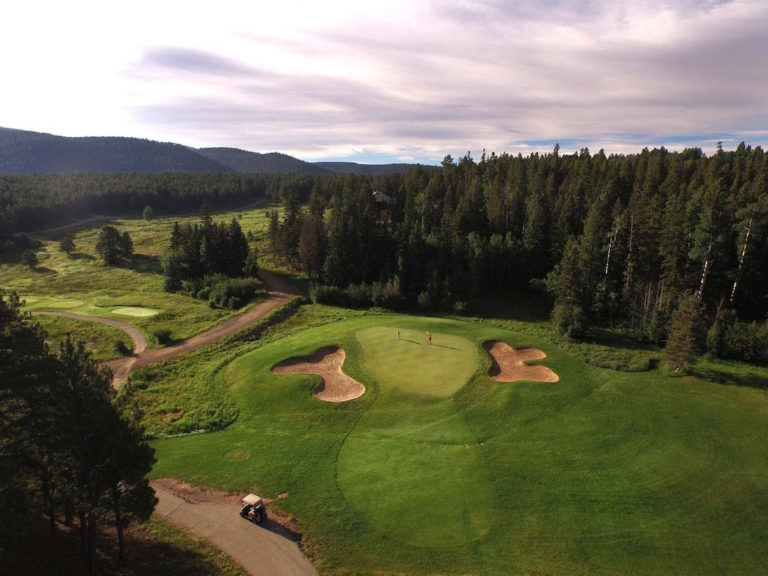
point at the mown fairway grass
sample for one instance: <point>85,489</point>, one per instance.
<point>603,472</point>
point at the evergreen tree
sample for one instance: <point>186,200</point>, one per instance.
<point>685,333</point>
<point>67,244</point>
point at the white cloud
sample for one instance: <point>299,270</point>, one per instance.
<point>411,80</point>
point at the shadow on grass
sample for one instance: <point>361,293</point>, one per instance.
<point>144,264</point>
<point>81,256</point>
<point>525,307</point>
<point>444,346</point>
<point>43,270</point>
<point>614,339</point>
<point>749,379</point>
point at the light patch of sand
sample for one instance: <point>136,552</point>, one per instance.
<point>135,311</point>
<point>508,364</point>
<point>326,363</point>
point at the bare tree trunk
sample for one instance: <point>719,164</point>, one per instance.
<point>705,272</point>
<point>630,264</point>
<point>741,262</point>
<point>118,520</point>
<point>611,242</point>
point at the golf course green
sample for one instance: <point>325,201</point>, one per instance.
<point>439,469</point>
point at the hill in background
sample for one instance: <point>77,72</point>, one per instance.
<point>24,152</point>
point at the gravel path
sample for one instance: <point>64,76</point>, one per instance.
<point>137,337</point>
<point>279,292</point>
<point>261,550</point>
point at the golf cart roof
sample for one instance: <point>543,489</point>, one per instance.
<point>252,499</point>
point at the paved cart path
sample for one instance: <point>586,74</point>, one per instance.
<point>261,550</point>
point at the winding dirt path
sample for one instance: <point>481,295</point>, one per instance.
<point>137,337</point>
<point>280,292</point>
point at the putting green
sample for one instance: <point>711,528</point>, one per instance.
<point>135,311</point>
<point>411,466</point>
<point>411,364</point>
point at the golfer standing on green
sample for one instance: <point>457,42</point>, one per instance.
<point>429,337</point>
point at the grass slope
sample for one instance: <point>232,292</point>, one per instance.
<point>603,472</point>
<point>132,292</point>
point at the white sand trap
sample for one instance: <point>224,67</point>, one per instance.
<point>326,363</point>
<point>135,311</point>
<point>508,364</point>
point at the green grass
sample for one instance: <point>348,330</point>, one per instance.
<point>411,364</point>
<point>603,472</point>
<point>99,339</point>
<point>132,292</point>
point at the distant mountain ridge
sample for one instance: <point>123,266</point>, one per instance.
<point>25,152</point>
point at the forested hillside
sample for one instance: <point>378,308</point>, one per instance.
<point>253,162</point>
<point>23,152</point>
<point>362,169</point>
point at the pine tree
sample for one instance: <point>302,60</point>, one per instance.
<point>685,337</point>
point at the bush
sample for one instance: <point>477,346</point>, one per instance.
<point>359,295</point>
<point>122,349</point>
<point>29,258</point>
<point>569,321</point>
<point>233,292</point>
<point>325,294</point>
<point>162,336</point>
<point>425,301</point>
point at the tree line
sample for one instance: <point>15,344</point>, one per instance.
<point>34,202</point>
<point>619,239</point>
<point>67,449</point>
<point>211,261</point>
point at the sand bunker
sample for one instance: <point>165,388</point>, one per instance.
<point>508,364</point>
<point>326,363</point>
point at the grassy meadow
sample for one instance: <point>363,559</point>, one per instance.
<point>604,472</point>
<point>132,292</point>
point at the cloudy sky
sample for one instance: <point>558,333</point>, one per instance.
<point>391,80</point>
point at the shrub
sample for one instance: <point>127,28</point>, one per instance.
<point>359,295</point>
<point>162,336</point>
<point>29,258</point>
<point>325,294</point>
<point>569,321</point>
<point>232,292</point>
<point>122,349</point>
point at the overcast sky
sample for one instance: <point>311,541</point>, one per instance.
<point>391,80</point>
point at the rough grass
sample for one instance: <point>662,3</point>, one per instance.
<point>99,339</point>
<point>603,472</point>
<point>134,290</point>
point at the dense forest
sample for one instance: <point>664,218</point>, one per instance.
<point>618,239</point>
<point>615,239</point>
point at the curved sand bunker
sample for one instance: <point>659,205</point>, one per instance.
<point>508,364</point>
<point>326,363</point>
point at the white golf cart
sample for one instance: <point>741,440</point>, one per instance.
<point>254,509</point>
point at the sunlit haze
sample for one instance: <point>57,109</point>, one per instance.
<point>391,81</point>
